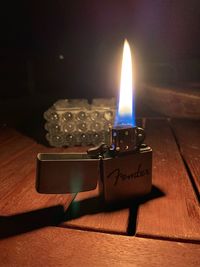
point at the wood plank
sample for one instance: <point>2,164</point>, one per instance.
<point>65,247</point>
<point>21,207</point>
<point>88,211</point>
<point>188,137</point>
<point>176,215</point>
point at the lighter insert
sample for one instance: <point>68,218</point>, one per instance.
<point>122,169</point>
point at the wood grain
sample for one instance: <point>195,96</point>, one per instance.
<point>188,137</point>
<point>176,215</point>
<point>65,247</point>
<point>21,207</point>
<point>88,211</point>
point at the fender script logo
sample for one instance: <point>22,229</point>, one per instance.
<point>117,174</point>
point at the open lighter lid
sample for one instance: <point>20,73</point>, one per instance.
<point>61,173</point>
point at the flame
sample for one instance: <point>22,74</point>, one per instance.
<point>125,112</point>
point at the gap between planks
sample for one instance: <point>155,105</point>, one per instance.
<point>187,134</point>
<point>89,212</point>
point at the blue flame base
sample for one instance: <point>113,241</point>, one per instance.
<point>125,120</point>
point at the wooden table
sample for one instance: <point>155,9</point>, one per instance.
<point>67,230</point>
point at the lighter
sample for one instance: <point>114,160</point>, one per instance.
<point>122,168</point>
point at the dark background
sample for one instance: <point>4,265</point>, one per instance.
<point>72,49</point>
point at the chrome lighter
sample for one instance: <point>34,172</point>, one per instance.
<point>122,169</point>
